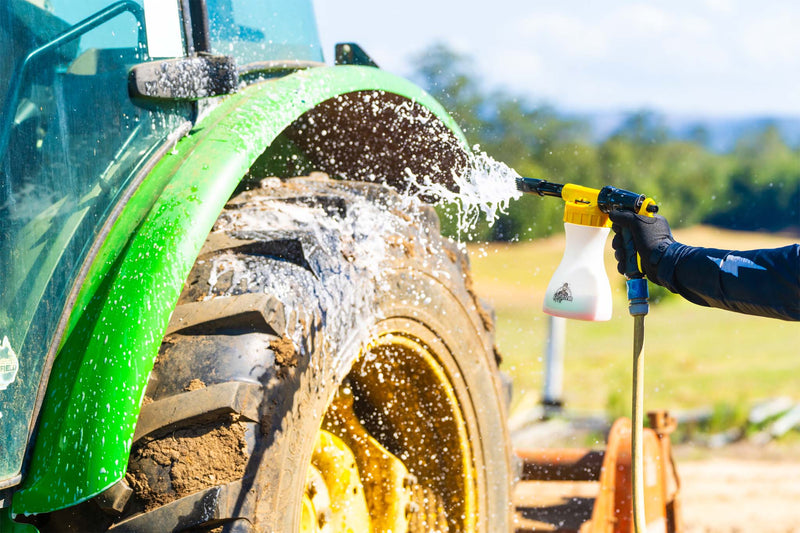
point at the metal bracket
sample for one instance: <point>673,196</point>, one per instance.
<point>352,54</point>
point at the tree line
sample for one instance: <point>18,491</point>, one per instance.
<point>755,186</point>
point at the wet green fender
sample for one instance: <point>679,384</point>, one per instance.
<point>99,377</point>
<point>7,525</point>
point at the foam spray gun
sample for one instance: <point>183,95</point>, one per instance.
<point>580,288</point>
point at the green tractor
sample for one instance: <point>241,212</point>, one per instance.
<point>218,309</point>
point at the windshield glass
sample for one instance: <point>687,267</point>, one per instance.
<point>264,30</point>
<point>70,140</point>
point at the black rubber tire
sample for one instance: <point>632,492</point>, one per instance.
<point>232,410</point>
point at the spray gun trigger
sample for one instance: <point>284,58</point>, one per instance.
<point>633,263</point>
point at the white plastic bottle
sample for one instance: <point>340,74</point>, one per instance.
<point>579,288</point>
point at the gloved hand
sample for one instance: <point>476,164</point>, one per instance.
<point>651,238</point>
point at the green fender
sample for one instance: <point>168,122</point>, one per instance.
<point>99,376</point>
<point>7,525</point>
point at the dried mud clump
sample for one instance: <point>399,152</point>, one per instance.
<point>285,353</point>
<point>195,384</point>
<point>187,461</point>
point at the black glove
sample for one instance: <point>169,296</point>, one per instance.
<point>651,237</point>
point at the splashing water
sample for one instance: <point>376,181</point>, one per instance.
<point>486,186</point>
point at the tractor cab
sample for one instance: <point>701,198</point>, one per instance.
<point>74,137</point>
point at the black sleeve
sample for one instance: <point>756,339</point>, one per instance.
<point>755,282</point>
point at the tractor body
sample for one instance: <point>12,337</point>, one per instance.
<point>168,276</point>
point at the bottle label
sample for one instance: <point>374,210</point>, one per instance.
<point>563,294</point>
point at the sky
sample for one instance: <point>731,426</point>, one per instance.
<point>710,58</point>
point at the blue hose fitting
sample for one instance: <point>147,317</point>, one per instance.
<point>638,296</point>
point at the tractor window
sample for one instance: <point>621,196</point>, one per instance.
<point>70,140</point>
<point>264,30</point>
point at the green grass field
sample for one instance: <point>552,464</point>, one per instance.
<point>694,356</point>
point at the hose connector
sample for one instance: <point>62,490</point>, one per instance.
<point>638,296</point>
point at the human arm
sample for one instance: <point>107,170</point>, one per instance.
<point>756,282</point>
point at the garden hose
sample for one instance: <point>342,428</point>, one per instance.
<point>638,306</point>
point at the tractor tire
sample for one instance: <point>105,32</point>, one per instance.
<point>327,368</point>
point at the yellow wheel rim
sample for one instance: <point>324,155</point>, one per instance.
<point>400,419</point>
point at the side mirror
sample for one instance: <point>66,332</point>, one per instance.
<point>183,79</point>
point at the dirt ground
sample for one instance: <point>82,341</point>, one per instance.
<point>736,495</point>
<point>742,488</point>
<point>736,489</point>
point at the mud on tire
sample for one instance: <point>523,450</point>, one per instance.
<point>304,285</point>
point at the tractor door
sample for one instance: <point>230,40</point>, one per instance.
<point>71,142</point>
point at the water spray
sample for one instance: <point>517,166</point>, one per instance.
<point>580,288</point>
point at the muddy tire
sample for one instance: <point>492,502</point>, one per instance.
<point>304,289</point>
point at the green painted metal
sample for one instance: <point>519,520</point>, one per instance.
<point>7,525</point>
<point>99,377</point>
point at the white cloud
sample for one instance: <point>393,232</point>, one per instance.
<point>638,19</point>
<point>773,40</point>
<point>566,34</point>
<point>721,7</point>
<point>677,55</point>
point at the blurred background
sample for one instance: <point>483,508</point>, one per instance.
<point>708,58</point>
<point>695,103</point>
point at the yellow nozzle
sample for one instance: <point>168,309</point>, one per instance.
<point>643,210</point>
<point>580,206</point>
